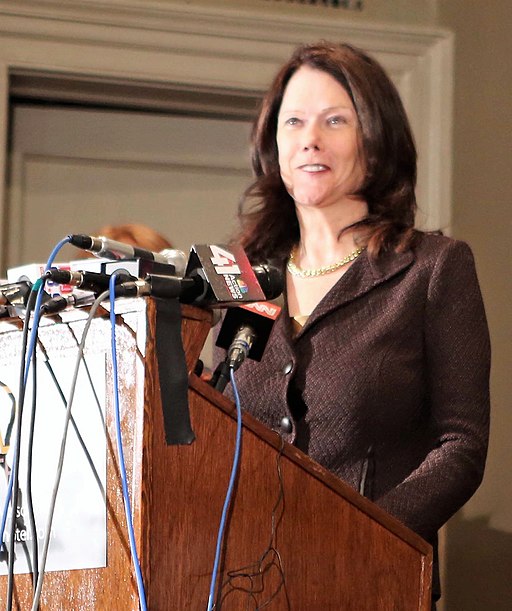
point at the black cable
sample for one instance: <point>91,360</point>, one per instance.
<point>30,504</point>
<point>20,522</point>
<point>89,377</point>
<point>7,440</point>
<point>72,420</point>
<point>16,463</point>
<point>255,573</point>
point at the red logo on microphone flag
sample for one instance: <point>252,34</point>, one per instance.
<point>264,308</point>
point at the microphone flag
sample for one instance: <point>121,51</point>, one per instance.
<point>227,271</point>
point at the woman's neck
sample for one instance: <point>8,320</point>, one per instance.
<point>322,236</point>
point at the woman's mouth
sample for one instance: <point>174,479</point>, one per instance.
<point>313,167</point>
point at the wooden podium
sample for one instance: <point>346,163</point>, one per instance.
<point>297,538</point>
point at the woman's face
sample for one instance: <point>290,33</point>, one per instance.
<point>318,140</point>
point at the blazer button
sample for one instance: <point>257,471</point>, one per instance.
<point>286,425</point>
<point>288,367</point>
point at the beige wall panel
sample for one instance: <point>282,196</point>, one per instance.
<point>75,170</point>
<point>479,538</point>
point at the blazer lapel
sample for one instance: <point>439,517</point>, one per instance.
<point>363,276</point>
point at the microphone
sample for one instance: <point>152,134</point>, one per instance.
<point>255,320</point>
<point>166,287</point>
<point>189,290</point>
<point>15,293</point>
<point>59,303</point>
<point>14,297</point>
<point>176,258</point>
<point>244,333</point>
<point>87,281</point>
<point>193,289</point>
<point>241,346</point>
<point>111,249</point>
<point>215,277</point>
<point>196,289</point>
<point>230,277</point>
<point>270,279</point>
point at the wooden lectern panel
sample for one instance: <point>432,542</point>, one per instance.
<point>330,549</point>
<point>296,538</point>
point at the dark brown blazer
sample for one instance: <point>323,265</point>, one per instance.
<point>387,384</point>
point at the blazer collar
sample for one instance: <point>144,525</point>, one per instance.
<point>363,276</point>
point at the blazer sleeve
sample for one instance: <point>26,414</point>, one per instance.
<point>457,375</point>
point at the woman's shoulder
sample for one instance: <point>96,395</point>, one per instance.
<point>443,259</point>
<point>428,256</point>
<point>434,245</point>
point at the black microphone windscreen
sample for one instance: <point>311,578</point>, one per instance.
<point>270,278</point>
<point>259,316</point>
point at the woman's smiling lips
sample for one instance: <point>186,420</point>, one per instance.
<point>313,167</point>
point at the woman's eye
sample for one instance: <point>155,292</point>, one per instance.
<point>292,121</point>
<point>337,120</point>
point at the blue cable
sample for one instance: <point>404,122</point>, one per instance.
<point>229,493</point>
<point>6,509</point>
<point>38,287</point>
<point>122,467</point>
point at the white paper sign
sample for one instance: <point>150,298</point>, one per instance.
<point>78,532</point>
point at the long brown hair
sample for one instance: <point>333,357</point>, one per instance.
<point>269,225</point>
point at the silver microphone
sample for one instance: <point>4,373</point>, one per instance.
<point>101,246</point>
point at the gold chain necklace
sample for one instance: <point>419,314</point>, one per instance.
<point>295,270</point>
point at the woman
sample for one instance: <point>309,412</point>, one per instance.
<point>379,366</point>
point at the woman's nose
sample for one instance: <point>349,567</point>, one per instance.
<point>311,138</point>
